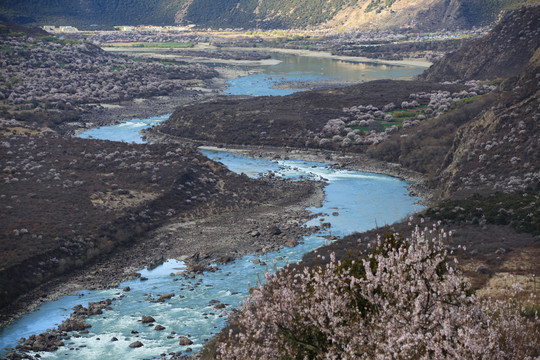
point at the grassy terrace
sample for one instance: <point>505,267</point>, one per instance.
<point>164,45</point>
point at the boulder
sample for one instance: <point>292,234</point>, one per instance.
<point>73,325</point>
<point>136,344</point>
<point>274,230</point>
<point>147,319</point>
<point>185,341</point>
<point>291,243</point>
<point>164,297</point>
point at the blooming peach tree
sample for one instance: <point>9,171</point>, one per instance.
<point>402,301</point>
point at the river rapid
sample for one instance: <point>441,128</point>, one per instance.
<point>354,201</point>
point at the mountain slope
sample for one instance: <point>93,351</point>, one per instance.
<point>423,14</point>
<point>498,150</point>
<point>87,12</point>
<point>354,14</point>
<point>490,144</point>
<point>500,54</point>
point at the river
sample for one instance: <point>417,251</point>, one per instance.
<point>354,201</point>
<point>308,67</point>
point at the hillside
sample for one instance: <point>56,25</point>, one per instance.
<point>498,150</point>
<point>467,137</point>
<point>490,144</point>
<point>51,81</point>
<point>339,14</point>
<point>500,54</point>
<point>424,15</point>
<point>89,12</point>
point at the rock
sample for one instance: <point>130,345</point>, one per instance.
<point>134,275</point>
<point>142,278</point>
<point>274,230</point>
<point>147,319</point>
<point>159,328</point>
<point>127,288</point>
<point>136,344</point>
<point>73,325</point>
<point>255,233</point>
<point>185,341</point>
<point>114,339</point>
<point>164,297</point>
<point>291,242</point>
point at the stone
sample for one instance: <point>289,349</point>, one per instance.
<point>482,269</point>
<point>127,288</point>
<point>185,341</point>
<point>274,230</point>
<point>291,242</point>
<point>164,297</point>
<point>136,344</point>
<point>159,328</point>
<point>147,319</point>
<point>73,325</point>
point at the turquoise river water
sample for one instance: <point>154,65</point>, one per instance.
<point>293,68</point>
<point>360,200</point>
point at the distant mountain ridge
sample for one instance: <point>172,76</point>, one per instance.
<point>263,14</point>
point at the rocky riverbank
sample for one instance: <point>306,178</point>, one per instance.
<point>96,197</point>
<point>219,238</point>
<point>351,161</point>
<point>340,159</point>
<point>102,114</point>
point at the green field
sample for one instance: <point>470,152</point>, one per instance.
<point>164,45</point>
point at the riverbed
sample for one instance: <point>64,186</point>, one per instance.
<point>354,201</point>
<point>290,70</point>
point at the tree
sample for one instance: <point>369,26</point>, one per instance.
<point>402,301</point>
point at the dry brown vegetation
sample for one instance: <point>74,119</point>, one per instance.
<point>66,201</point>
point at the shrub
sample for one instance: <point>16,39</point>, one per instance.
<point>403,301</point>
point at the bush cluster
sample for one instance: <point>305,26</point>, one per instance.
<point>403,301</point>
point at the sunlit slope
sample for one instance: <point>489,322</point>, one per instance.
<point>267,14</point>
